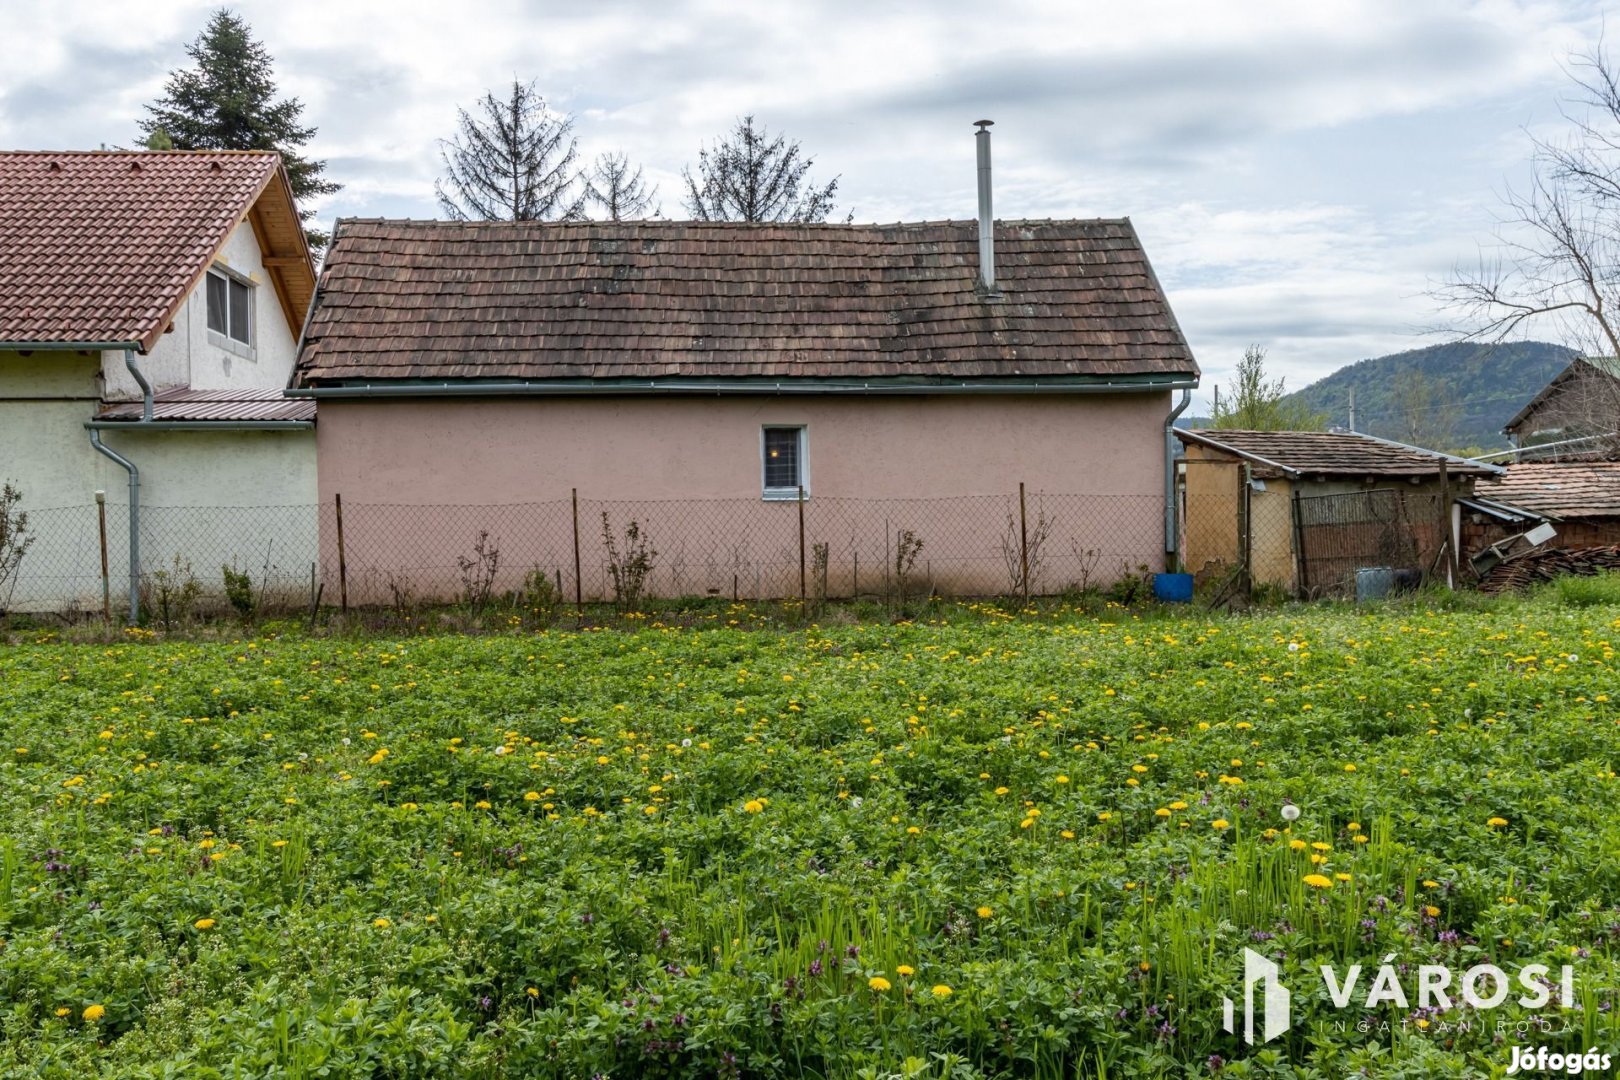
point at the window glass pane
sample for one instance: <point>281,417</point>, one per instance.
<point>241,306</point>
<point>216,303</point>
<point>782,458</point>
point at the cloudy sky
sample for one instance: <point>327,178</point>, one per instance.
<point>1302,174</point>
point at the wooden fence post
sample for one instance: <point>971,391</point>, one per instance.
<point>1301,563</point>
<point>343,562</point>
<point>1446,550</point>
<point>1023,542</point>
<point>106,581</point>
<point>579,594</point>
<point>803,592</point>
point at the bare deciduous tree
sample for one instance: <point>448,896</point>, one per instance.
<point>617,189</point>
<point>1558,243</point>
<point>512,161</point>
<point>750,176</point>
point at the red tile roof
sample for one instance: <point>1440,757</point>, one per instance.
<point>186,404</point>
<point>1572,490</point>
<point>1333,453</point>
<point>102,247</point>
<point>690,300</point>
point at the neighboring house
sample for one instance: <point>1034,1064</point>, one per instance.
<point>1579,411</point>
<point>705,374</point>
<point>1306,509</point>
<point>1580,500</point>
<point>189,271</point>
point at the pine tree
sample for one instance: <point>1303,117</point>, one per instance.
<point>617,189</point>
<point>514,161</point>
<point>228,102</point>
<point>750,176</point>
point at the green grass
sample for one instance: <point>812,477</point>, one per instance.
<point>1598,590</point>
<point>689,850</point>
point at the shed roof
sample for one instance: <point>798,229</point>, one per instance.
<point>222,405</point>
<point>1334,453</point>
<point>661,300</point>
<point>102,247</point>
<point>1584,489</point>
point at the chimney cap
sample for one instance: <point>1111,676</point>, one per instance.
<point>982,124</point>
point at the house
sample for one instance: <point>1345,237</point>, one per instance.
<point>150,304</point>
<point>1575,417</point>
<point>1579,499</point>
<point>704,378</point>
<point>1304,510</point>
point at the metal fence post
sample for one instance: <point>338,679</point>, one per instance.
<point>579,593</point>
<point>106,580</point>
<point>343,560</point>
<point>1245,536</point>
<point>803,593</point>
<point>1023,542</point>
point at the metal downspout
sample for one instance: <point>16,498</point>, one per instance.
<point>134,522</point>
<point>134,486</point>
<point>1171,541</point>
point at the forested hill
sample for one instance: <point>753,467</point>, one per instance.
<point>1448,396</point>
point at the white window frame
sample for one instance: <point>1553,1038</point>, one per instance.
<point>225,341</point>
<point>787,494</point>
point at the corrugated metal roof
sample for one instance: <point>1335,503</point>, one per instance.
<point>531,300</point>
<point>222,405</point>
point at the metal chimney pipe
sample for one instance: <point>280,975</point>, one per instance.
<point>987,218</point>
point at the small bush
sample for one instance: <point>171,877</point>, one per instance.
<point>1597,590</point>
<point>539,598</point>
<point>239,591</point>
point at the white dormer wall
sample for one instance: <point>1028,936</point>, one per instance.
<point>191,356</point>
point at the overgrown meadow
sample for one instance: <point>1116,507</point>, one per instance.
<point>989,846</point>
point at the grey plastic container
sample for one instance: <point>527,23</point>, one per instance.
<point>1374,583</point>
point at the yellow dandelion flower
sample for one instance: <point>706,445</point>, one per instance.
<point>1497,823</point>
<point>985,911</point>
<point>93,1013</point>
<point>905,970</point>
<point>1220,823</point>
<point>942,991</point>
<point>381,924</point>
<point>1431,911</point>
<point>878,983</point>
<point>532,992</point>
<point>1318,881</point>
<point>204,924</point>
<point>753,806</point>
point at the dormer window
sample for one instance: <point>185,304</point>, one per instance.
<point>230,308</point>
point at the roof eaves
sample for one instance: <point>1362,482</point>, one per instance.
<point>1287,470</point>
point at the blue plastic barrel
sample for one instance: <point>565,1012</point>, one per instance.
<point>1173,588</point>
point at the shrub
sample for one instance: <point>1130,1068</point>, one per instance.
<point>15,540</point>
<point>239,591</point>
<point>630,567</point>
<point>1599,589</point>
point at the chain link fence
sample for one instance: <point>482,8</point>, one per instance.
<point>368,554</point>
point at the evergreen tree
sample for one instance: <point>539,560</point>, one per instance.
<point>1256,403</point>
<point>750,176</point>
<point>617,189</point>
<point>228,102</point>
<point>514,161</point>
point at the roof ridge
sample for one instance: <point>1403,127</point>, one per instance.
<point>688,223</point>
<point>143,152</point>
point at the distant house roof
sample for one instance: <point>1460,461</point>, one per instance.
<point>102,248</point>
<point>1334,453</point>
<point>714,302</point>
<point>211,405</point>
<point>1605,365</point>
<point>1559,491</point>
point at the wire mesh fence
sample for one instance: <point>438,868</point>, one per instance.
<point>1385,528</point>
<point>366,554</point>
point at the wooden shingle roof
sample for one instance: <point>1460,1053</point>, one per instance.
<point>416,300</point>
<point>103,247</point>
<point>1334,453</point>
<point>1571,490</point>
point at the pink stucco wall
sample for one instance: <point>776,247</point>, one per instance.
<point>419,478</point>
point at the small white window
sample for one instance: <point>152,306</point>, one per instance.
<point>230,308</point>
<point>786,463</point>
